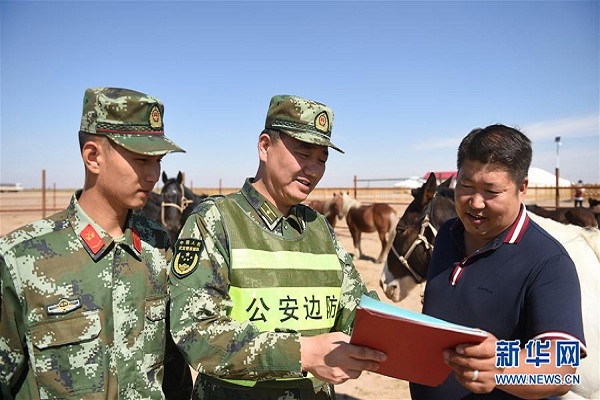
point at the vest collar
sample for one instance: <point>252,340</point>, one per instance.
<point>270,215</point>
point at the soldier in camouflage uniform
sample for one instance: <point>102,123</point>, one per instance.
<point>84,293</point>
<point>262,293</point>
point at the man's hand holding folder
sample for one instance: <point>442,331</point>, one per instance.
<point>414,342</point>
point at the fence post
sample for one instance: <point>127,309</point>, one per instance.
<point>557,196</point>
<point>43,193</point>
<point>355,180</point>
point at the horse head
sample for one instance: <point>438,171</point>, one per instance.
<point>421,197</point>
<point>173,202</point>
<point>407,262</point>
<point>348,202</point>
<point>336,207</point>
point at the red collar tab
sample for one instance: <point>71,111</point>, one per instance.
<point>137,243</point>
<point>518,228</point>
<point>92,239</point>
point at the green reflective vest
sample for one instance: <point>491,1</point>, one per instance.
<point>279,283</point>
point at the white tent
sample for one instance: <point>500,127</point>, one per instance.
<point>540,178</point>
<point>413,182</point>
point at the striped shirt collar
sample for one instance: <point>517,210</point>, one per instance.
<point>512,234</point>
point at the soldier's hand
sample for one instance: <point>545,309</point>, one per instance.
<point>331,358</point>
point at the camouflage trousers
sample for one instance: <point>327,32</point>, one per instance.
<point>208,388</point>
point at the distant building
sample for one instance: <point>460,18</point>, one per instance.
<point>11,187</point>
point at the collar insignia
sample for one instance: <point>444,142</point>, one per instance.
<point>137,243</point>
<point>63,306</point>
<point>92,239</point>
<point>267,212</point>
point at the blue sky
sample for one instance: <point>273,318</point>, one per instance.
<point>405,79</point>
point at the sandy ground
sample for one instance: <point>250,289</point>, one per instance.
<point>369,386</point>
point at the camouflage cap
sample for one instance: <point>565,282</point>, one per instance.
<point>302,119</point>
<point>130,119</point>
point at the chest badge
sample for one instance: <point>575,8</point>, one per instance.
<point>63,306</point>
<point>187,256</point>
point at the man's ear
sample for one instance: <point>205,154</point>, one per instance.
<point>91,154</point>
<point>264,143</point>
<point>523,187</point>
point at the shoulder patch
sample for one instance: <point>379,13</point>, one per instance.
<point>187,256</point>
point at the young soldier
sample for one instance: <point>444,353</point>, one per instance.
<point>84,291</point>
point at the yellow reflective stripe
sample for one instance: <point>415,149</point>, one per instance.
<point>252,258</point>
<point>286,307</point>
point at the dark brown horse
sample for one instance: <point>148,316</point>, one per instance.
<point>332,209</point>
<point>172,206</point>
<point>408,259</point>
<point>567,215</point>
<point>376,217</point>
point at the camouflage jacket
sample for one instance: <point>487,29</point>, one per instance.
<point>214,343</point>
<point>83,315</point>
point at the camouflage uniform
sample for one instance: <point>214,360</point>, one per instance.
<point>83,314</point>
<point>219,346</point>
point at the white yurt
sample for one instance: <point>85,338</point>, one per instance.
<point>541,178</point>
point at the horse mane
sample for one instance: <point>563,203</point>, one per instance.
<point>566,233</point>
<point>350,202</point>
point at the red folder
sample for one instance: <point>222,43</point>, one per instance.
<point>412,341</point>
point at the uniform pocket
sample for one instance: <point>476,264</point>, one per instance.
<point>155,326</point>
<point>68,356</point>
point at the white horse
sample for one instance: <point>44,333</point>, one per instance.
<point>583,245</point>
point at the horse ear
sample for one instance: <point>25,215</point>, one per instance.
<point>446,183</point>
<point>429,189</point>
<point>431,178</point>
<point>164,177</point>
<point>179,177</point>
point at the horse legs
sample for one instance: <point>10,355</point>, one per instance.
<point>356,240</point>
<point>387,239</point>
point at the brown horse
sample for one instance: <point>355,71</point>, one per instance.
<point>330,208</point>
<point>580,216</point>
<point>376,217</point>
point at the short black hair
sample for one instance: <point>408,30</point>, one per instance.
<point>498,144</point>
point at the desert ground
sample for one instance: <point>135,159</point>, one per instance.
<point>369,386</point>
